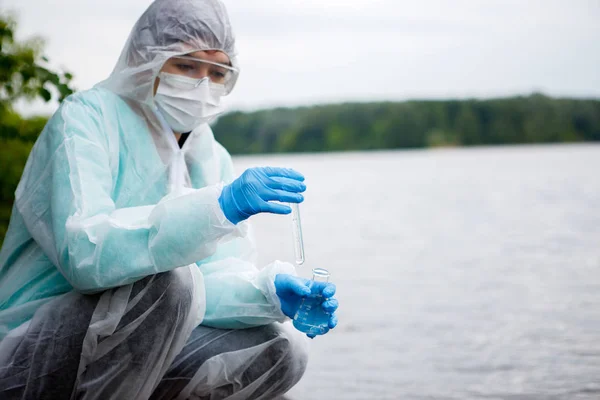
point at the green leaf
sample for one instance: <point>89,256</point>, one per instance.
<point>46,95</point>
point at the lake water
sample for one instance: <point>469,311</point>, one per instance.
<point>461,273</point>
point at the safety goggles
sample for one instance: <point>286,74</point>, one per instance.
<point>196,68</point>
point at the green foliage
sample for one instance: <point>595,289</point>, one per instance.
<point>13,155</point>
<point>411,124</point>
<point>23,70</point>
<point>24,74</point>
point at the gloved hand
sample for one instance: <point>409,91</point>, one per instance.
<point>252,192</point>
<point>292,289</point>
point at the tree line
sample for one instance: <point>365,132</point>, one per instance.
<point>411,124</point>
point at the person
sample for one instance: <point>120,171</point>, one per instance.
<point>128,270</point>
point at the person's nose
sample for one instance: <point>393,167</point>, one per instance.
<point>203,72</point>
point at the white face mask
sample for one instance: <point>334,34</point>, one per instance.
<point>186,103</point>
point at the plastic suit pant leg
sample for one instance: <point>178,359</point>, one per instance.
<point>45,362</point>
<point>255,363</point>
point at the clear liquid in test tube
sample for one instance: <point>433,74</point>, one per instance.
<point>297,231</point>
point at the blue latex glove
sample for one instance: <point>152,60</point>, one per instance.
<point>252,192</point>
<point>292,289</point>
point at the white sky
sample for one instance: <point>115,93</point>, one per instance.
<point>297,52</point>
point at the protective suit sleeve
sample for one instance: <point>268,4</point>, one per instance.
<point>65,200</point>
<point>238,294</point>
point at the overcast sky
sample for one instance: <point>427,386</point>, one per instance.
<point>297,52</point>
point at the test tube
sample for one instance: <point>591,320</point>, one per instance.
<point>297,231</point>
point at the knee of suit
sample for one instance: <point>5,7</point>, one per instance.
<point>288,356</point>
<point>176,291</point>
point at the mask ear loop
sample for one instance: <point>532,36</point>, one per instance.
<point>155,76</point>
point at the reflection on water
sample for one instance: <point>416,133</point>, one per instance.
<point>467,273</point>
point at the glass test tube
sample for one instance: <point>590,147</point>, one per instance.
<point>297,231</point>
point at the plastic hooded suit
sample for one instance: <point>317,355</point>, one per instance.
<point>108,197</point>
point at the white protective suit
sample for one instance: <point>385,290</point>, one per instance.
<point>107,198</point>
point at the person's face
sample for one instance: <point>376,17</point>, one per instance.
<point>197,70</point>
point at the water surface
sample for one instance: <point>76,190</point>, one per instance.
<point>461,273</point>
